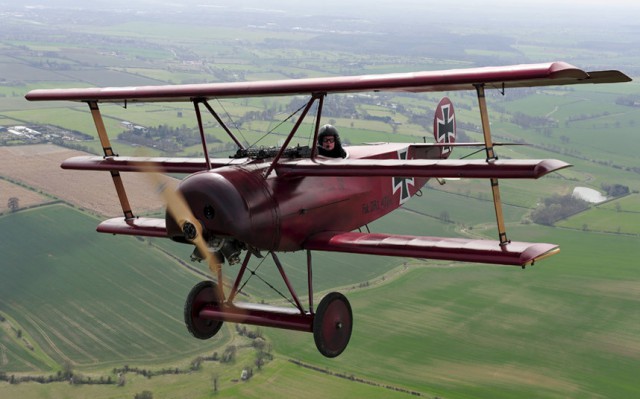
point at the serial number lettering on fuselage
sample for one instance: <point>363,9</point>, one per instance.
<point>377,204</point>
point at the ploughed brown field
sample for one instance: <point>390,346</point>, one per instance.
<point>38,168</point>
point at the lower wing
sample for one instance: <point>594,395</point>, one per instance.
<point>143,227</point>
<point>454,249</point>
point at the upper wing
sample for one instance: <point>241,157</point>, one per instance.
<point>526,75</point>
<point>454,249</point>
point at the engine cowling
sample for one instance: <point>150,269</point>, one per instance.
<point>230,203</point>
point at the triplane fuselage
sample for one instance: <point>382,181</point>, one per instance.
<point>291,198</point>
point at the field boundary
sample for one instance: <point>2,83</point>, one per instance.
<point>352,377</point>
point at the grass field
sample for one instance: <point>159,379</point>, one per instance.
<point>606,219</point>
<point>566,325</point>
<point>87,299</point>
<point>565,328</point>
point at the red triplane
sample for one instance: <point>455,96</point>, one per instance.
<point>279,199</point>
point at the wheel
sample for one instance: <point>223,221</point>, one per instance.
<point>332,324</point>
<point>203,293</point>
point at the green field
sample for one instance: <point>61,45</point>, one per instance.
<point>86,298</point>
<point>605,219</point>
<point>565,328</point>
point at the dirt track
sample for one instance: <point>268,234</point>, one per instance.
<point>38,166</point>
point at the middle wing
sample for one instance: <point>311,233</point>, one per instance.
<point>441,168</point>
<point>146,164</point>
<point>454,249</point>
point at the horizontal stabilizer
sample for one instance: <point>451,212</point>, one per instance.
<point>440,168</point>
<point>144,164</point>
<point>145,227</point>
<point>441,248</point>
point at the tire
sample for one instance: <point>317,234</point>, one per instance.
<point>332,324</point>
<point>203,293</point>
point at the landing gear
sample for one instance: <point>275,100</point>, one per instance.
<point>203,293</point>
<point>332,324</point>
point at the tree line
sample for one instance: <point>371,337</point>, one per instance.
<point>166,138</point>
<point>556,208</point>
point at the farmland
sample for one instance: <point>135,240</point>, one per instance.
<point>565,328</point>
<point>59,288</point>
<point>73,299</point>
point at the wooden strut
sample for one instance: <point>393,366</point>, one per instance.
<point>196,106</point>
<point>310,281</point>
<point>491,157</point>
<point>314,97</point>
<point>222,124</point>
<point>108,152</point>
<point>236,284</point>
<point>314,150</point>
<point>292,291</point>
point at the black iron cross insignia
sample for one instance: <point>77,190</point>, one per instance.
<point>446,128</point>
<point>402,183</point>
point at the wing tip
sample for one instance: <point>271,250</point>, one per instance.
<point>547,166</point>
<point>537,252</point>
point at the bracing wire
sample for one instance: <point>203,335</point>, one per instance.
<point>237,128</point>
<point>278,125</point>
<point>473,153</point>
<point>230,118</point>
<point>254,273</point>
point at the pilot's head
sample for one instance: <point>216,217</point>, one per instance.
<point>328,137</point>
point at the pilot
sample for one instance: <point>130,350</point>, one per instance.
<point>329,142</point>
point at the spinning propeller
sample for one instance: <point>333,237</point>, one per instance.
<point>180,211</point>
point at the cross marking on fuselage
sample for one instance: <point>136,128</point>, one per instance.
<point>402,183</point>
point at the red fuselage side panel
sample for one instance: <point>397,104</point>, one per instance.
<point>279,213</point>
<point>309,205</point>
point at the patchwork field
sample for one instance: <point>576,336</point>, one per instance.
<point>26,198</point>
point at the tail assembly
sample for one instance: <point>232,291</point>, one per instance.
<point>444,126</point>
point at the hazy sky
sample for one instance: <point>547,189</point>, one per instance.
<point>530,11</point>
<point>363,5</point>
<point>538,19</point>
